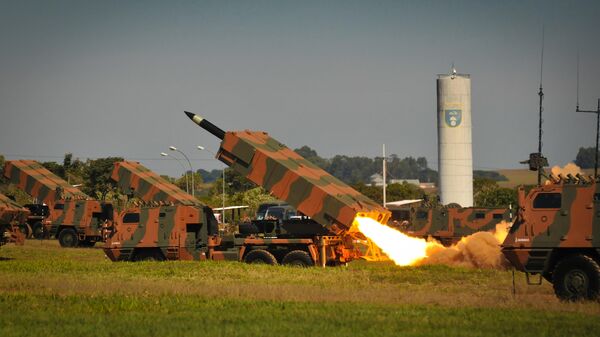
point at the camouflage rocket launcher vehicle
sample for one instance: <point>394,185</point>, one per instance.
<point>328,236</point>
<point>449,224</point>
<point>170,224</point>
<point>11,217</point>
<point>556,235</point>
<point>167,224</point>
<point>75,218</point>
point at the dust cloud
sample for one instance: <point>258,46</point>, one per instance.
<point>479,250</point>
<point>570,168</point>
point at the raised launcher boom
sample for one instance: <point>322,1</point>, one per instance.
<point>290,177</point>
<point>34,179</point>
<point>148,186</point>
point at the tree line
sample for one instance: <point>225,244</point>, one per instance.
<point>92,176</point>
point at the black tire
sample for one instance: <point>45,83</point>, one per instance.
<point>68,238</point>
<point>576,277</point>
<point>37,231</point>
<point>298,258</point>
<point>26,230</point>
<point>260,256</point>
<point>148,255</point>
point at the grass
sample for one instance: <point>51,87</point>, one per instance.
<point>47,290</point>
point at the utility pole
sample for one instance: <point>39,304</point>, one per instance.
<point>597,112</point>
<point>384,178</point>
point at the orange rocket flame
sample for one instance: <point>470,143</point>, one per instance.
<point>479,250</point>
<point>399,247</point>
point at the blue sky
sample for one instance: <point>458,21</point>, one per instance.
<point>108,78</point>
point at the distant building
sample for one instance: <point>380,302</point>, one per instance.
<point>377,180</point>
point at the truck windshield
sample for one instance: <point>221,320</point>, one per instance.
<point>274,213</point>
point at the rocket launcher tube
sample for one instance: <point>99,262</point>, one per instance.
<point>148,186</point>
<point>37,181</point>
<point>290,177</point>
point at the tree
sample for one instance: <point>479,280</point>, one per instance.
<point>493,175</point>
<point>209,177</point>
<point>496,197</point>
<point>404,191</point>
<point>251,198</point>
<point>183,182</point>
<point>394,192</point>
<point>374,193</point>
<point>487,193</point>
<point>586,157</point>
<point>312,156</point>
<point>97,176</point>
<point>55,168</point>
<point>234,183</point>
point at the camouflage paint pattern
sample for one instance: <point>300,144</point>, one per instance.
<point>312,191</point>
<point>178,232</point>
<point>81,215</point>
<point>11,216</point>
<point>449,225</point>
<point>292,178</point>
<point>181,231</point>
<point>146,185</point>
<point>37,181</point>
<point>69,207</point>
<point>540,234</point>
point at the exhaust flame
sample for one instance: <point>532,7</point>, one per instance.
<point>399,247</point>
<point>479,250</point>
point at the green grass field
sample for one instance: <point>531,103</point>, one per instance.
<point>49,291</point>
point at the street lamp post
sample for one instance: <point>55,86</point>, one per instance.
<point>201,148</point>
<point>173,148</point>
<point>187,184</point>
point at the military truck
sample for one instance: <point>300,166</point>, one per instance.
<point>75,218</point>
<point>447,224</point>
<point>330,205</point>
<point>180,228</point>
<point>556,235</point>
<point>11,217</point>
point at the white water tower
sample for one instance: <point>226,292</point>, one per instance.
<point>455,153</point>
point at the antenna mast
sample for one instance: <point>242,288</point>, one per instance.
<point>597,112</point>
<point>541,94</point>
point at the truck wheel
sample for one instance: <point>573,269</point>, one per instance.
<point>68,238</point>
<point>298,258</point>
<point>576,277</point>
<point>38,231</point>
<point>260,256</point>
<point>148,255</point>
<point>26,230</point>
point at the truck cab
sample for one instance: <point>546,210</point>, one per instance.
<point>556,235</point>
